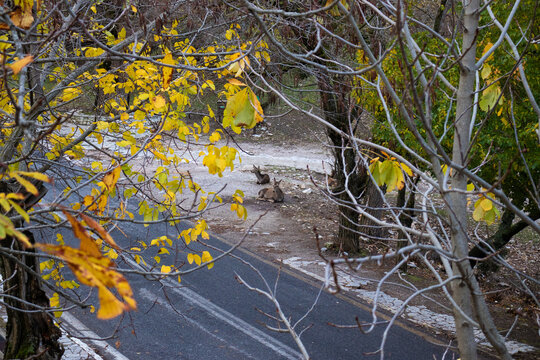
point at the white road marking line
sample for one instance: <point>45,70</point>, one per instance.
<point>230,319</point>
<point>79,329</point>
<point>237,323</point>
<point>145,293</point>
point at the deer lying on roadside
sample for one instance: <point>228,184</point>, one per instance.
<point>261,178</point>
<point>273,194</point>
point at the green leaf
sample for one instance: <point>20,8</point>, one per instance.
<point>489,217</point>
<point>489,98</point>
<point>244,108</point>
<point>478,214</point>
<point>486,70</point>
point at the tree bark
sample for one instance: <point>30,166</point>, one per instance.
<point>374,206</point>
<point>333,103</point>
<point>443,9</point>
<point>457,200</point>
<point>466,291</point>
<point>28,333</point>
<point>406,216</point>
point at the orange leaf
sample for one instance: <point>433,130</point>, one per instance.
<point>236,82</point>
<point>18,65</point>
<point>100,230</point>
<point>88,245</point>
<point>110,306</point>
<point>257,107</point>
<point>19,18</point>
<point>97,271</point>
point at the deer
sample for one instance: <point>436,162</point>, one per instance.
<point>273,194</point>
<point>261,178</point>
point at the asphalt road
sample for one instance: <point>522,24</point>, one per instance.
<point>210,315</point>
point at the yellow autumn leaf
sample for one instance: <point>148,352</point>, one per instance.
<point>93,269</point>
<point>158,102</point>
<point>31,188</point>
<point>486,204</point>
<point>8,229</point>
<point>109,305</point>
<point>167,71</point>
<point>478,213</point>
<point>163,251</point>
<point>35,175</point>
<point>244,109</point>
<point>122,34</point>
<point>206,257</point>
<point>407,169</point>
<point>486,71</point>
<point>165,269</point>
<point>111,178</point>
<point>488,46</point>
<point>238,66</point>
<point>100,230</point>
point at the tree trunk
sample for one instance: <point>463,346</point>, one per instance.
<point>443,9</point>
<point>27,333</point>
<point>374,206</point>
<point>466,291</point>
<point>334,104</point>
<point>458,201</point>
<point>344,163</point>
<point>406,216</point>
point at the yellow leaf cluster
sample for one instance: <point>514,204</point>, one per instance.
<point>218,159</point>
<point>239,66</point>
<point>237,206</point>
<point>206,258</point>
<point>389,172</point>
<point>192,234</point>
<point>485,210</point>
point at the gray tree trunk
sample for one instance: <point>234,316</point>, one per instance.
<point>459,216</point>
<point>466,291</point>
